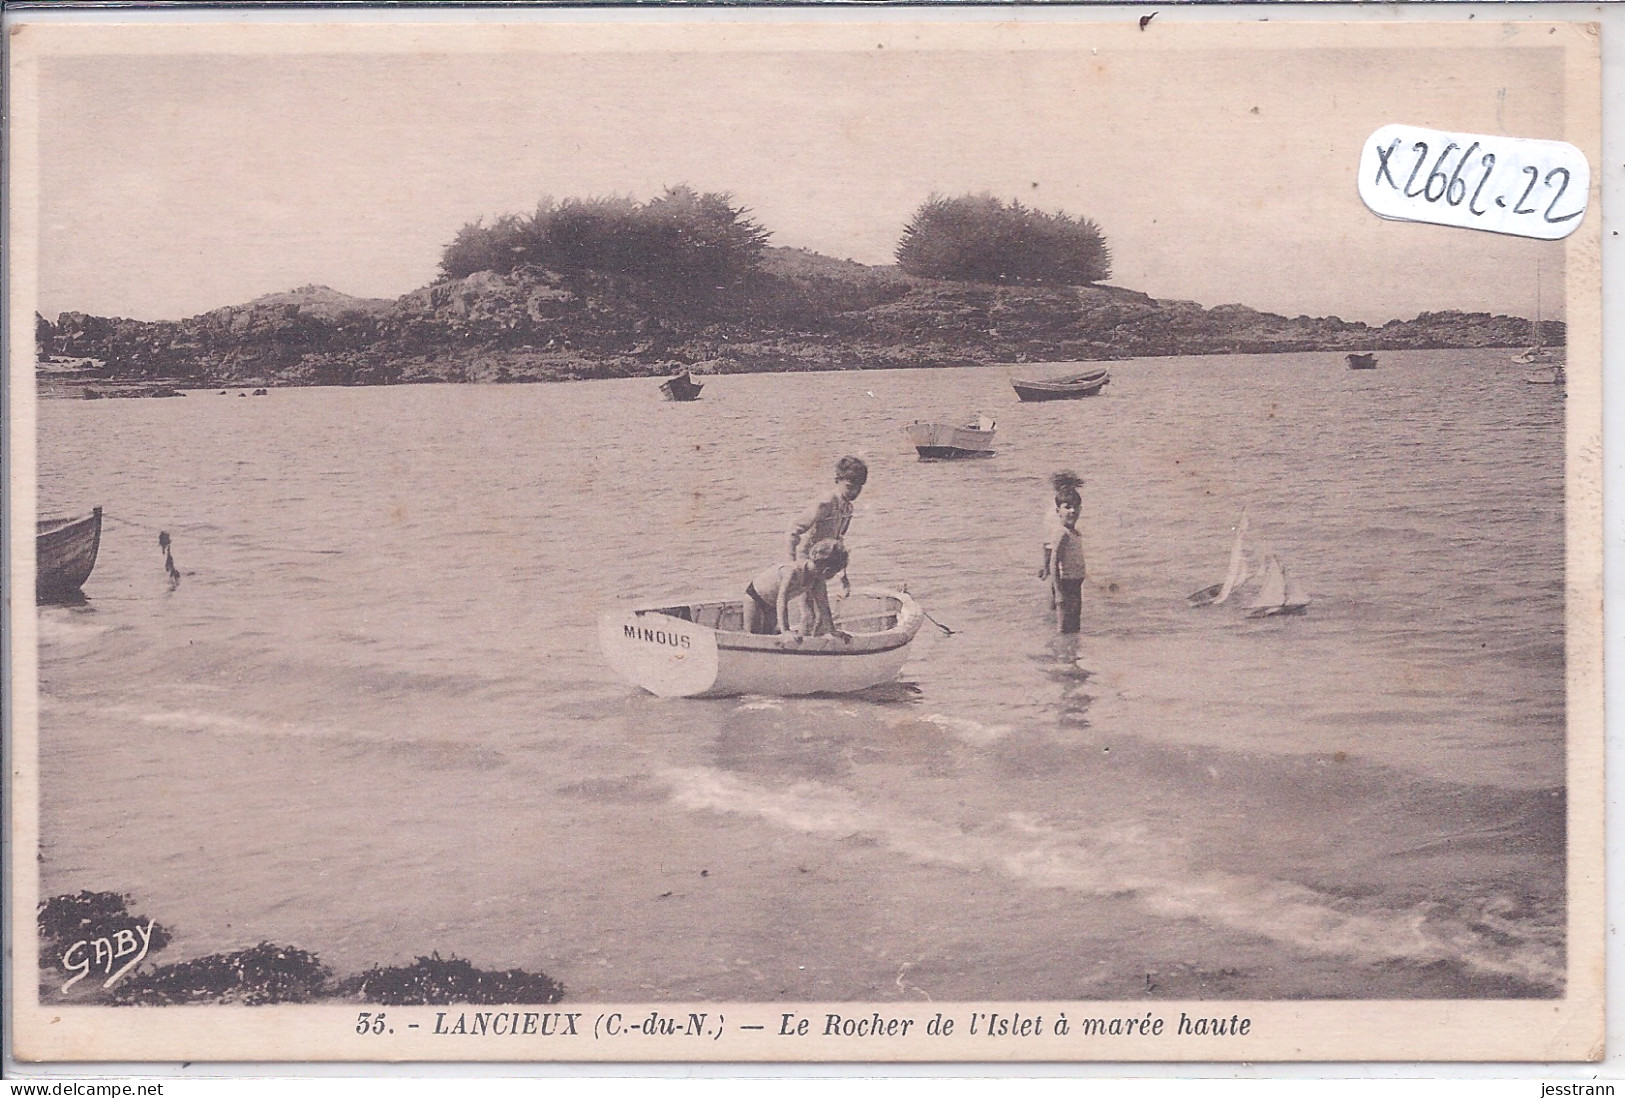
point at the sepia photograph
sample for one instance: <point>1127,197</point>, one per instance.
<point>783,538</point>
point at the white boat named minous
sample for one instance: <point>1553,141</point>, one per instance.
<point>700,649</point>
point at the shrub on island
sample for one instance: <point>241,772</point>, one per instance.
<point>684,241</point>
<point>978,238</point>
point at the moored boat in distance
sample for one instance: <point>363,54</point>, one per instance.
<point>1538,354</point>
<point>1549,359</point>
<point>700,649</point>
<point>1087,384</point>
<point>1552,374</point>
<point>65,554</point>
<point>683,387</point>
<point>1366,361</point>
<point>945,440</point>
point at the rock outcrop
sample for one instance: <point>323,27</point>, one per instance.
<point>803,311</point>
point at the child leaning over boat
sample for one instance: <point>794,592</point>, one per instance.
<point>1063,560</point>
<point>829,516</point>
<point>767,597</point>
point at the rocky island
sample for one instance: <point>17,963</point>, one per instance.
<point>611,288</point>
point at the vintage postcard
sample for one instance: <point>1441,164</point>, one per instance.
<point>803,537</point>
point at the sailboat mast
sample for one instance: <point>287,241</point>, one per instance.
<point>1538,343</point>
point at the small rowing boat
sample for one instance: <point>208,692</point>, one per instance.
<point>1366,361</point>
<point>683,387</point>
<point>700,649</point>
<point>945,440</point>
<point>1086,384</point>
<point>64,554</point>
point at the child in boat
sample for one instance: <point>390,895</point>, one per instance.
<point>1063,560</point>
<point>767,597</point>
<point>1059,481</point>
<point>829,516</point>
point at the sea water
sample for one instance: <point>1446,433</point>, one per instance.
<point>372,720</point>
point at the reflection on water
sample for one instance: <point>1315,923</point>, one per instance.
<point>1063,663</point>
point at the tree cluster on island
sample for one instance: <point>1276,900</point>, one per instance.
<point>681,240</point>
<point>687,242</point>
<point>978,238</point>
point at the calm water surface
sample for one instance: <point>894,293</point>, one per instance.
<point>372,721</point>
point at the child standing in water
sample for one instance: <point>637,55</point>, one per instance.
<point>828,518</point>
<point>1063,560</point>
<point>1060,481</point>
<point>767,597</point>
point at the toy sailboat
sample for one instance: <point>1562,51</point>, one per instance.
<point>1233,578</point>
<point>1278,592</point>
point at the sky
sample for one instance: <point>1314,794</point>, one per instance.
<point>176,180</point>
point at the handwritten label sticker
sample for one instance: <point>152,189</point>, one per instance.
<point>1510,185</point>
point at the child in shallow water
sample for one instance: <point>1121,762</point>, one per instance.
<point>1060,481</point>
<point>1063,561</point>
<point>768,596</point>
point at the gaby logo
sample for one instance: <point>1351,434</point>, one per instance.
<point>83,957</point>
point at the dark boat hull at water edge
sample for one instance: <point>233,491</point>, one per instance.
<point>681,388</point>
<point>65,554</point>
<point>945,453</point>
